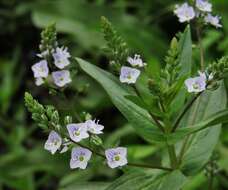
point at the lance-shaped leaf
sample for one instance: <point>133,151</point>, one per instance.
<point>201,145</point>
<point>137,116</point>
<point>157,180</point>
<point>211,121</point>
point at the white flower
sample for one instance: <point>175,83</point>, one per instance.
<point>94,127</point>
<point>129,75</point>
<point>204,5</point>
<point>40,69</point>
<point>213,20</point>
<point>39,81</point>
<point>80,157</point>
<point>77,131</point>
<point>196,84</point>
<point>185,13</point>
<point>61,57</point>
<point>136,61</point>
<point>61,78</point>
<point>116,157</point>
<point>53,142</point>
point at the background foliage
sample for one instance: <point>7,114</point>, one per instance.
<point>148,27</point>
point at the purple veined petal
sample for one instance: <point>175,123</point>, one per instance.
<point>61,78</point>
<point>61,57</point>
<point>129,75</point>
<point>136,61</point>
<point>204,5</point>
<point>80,157</point>
<point>78,131</point>
<point>53,142</point>
<point>116,157</point>
<point>40,69</point>
<point>184,12</point>
<point>213,20</point>
<point>94,127</point>
<point>196,84</point>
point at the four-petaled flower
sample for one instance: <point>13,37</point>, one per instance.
<point>116,157</point>
<point>185,13</point>
<point>129,75</point>
<point>204,5</point>
<point>61,78</point>
<point>94,127</point>
<point>77,131</point>
<point>61,57</point>
<point>79,158</point>
<point>213,20</point>
<point>40,69</point>
<point>196,84</point>
<point>136,61</point>
<point>53,142</point>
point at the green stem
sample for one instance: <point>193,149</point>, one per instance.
<point>159,125</point>
<point>129,164</point>
<point>198,32</point>
<point>183,149</point>
<point>172,156</point>
<point>186,108</point>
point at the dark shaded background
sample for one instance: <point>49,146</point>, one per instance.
<point>147,26</point>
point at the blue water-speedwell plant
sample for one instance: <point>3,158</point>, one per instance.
<point>183,113</point>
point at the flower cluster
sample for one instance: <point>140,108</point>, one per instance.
<point>130,75</point>
<point>201,9</point>
<point>80,156</point>
<point>60,58</point>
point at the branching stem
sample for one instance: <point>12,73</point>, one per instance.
<point>186,108</point>
<point>129,164</point>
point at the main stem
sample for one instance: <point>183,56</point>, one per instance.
<point>198,32</point>
<point>159,125</point>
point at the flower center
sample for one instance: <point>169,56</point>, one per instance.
<point>117,158</point>
<point>76,133</point>
<point>129,76</point>
<point>195,86</point>
<point>81,158</point>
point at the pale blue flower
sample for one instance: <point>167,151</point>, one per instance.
<point>116,157</point>
<point>136,61</point>
<point>61,78</point>
<point>53,142</point>
<point>204,5</point>
<point>61,57</point>
<point>80,157</point>
<point>129,75</point>
<point>77,131</point>
<point>94,127</point>
<point>213,20</point>
<point>184,12</point>
<point>40,69</point>
<point>196,84</point>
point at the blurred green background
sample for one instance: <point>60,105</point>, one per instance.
<point>147,26</point>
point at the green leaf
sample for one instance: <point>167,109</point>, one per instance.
<point>202,144</point>
<point>138,117</point>
<point>211,121</point>
<point>142,181</point>
<point>185,49</point>
<point>86,186</point>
